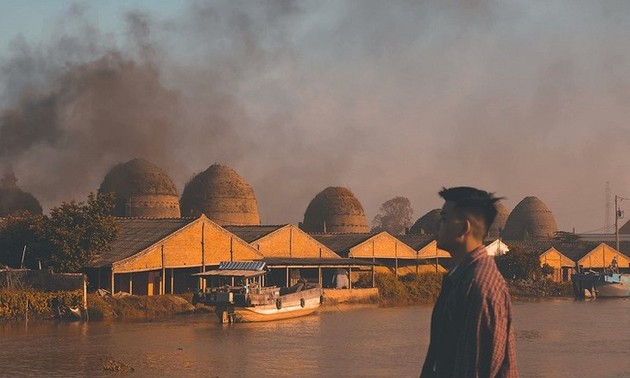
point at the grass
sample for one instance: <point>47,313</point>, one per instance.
<point>134,307</point>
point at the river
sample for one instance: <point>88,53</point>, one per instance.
<point>555,338</point>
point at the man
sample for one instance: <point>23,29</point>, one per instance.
<point>471,325</point>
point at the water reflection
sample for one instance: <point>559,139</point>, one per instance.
<point>554,339</point>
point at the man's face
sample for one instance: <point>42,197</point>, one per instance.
<point>450,227</point>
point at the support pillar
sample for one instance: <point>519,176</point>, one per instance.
<point>201,282</point>
<point>321,280</point>
<point>163,280</point>
<point>350,277</point>
<point>172,280</point>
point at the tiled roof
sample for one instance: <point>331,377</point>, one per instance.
<point>573,250</point>
<point>415,241</point>
<point>341,243</point>
<point>137,234</point>
<point>253,233</point>
<point>305,262</point>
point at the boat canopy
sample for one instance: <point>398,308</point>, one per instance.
<point>237,269</point>
<point>230,273</point>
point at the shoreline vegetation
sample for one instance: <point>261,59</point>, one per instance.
<point>411,289</point>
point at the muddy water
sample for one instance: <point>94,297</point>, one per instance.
<point>560,338</point>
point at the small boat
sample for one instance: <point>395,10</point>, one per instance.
<point>601,285</point>
<point>241,297</point>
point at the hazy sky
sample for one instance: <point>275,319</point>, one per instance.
<point>394,98</point>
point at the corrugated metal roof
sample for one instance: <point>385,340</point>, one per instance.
<point>341,243</point>
<point>230,273</point>
<point>242,265</point>
<point>253,233</point>
<point>137,234</point>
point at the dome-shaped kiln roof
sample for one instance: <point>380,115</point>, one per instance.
<point>222,195</point>
<point>427,224</point>
<point>142,190</point>
<point>531,218</point>
<point>335,209</point>
<point>499,222</point>
<point>14,200</point>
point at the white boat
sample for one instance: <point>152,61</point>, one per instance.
<point>238,294</point>
<point>601,285</point>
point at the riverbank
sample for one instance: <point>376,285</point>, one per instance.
<point>392,291</point>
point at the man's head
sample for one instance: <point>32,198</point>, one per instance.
<point>465,217</point>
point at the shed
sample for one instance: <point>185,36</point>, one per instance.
<point>157,256</point>
<point>562,265</point>
<point>601,258</point>
<point>429,255</point>
<point>299,254</point>
<point>497,248</point>
<point>283,241</point>
<point>382,248</point>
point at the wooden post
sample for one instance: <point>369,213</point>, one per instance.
<point>396,256</point>
<point>201,282</point>
<point>320,272</point>
<point>350,277</point>
<point>231,249</point>
<point>373,262</point>
<point>417,262</point>
<point>131,283</point>
<point>373,277</point>
<point>288,283</point>
<point>163,281</point>
<point>172,280</point>
<point>112,278</point>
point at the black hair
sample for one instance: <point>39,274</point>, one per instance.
<point>473,203</point>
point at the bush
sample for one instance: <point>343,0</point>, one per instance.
<point>409,289</point>
<point>540,288</point>
<point>13,303</point>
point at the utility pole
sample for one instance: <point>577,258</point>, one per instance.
<point>618,215</point>
<point>616,225</point>
<point>608,203</point>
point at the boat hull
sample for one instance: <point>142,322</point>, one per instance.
<point>611,290</point>
<point>257,314</point>
<point>280,307</point>
<point>602,285</point>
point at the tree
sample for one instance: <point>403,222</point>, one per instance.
<point>74,232</point>
<point>547,270</point>
<point>394,217</point>
<point>517,264</point>
<point>19,235</point>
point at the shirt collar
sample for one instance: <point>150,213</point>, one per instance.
<point>471,257</point>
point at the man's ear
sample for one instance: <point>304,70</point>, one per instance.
<point>466,227</point>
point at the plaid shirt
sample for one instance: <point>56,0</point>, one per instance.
<point>471,325</point>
